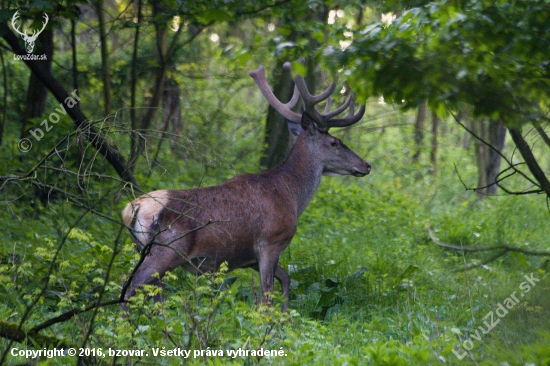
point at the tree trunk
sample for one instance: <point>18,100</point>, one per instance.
<point>37,93</point>
<point>419,131</point>
<point>133,84</point>
<point>488,160</point>
<point>5,99</point>
<point>433,154</point>
<point>172,106</point>
<point>105,66</point>
<point>277,138</point>
<point>73,44</point>
<point>172,116</point>
<point>158,85</point>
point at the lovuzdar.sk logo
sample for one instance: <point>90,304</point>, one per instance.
<point>29,39</point>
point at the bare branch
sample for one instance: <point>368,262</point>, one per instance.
<point>530,160</point>
<point>506,248</point>
<point>542,133</point>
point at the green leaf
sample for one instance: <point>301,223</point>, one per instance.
<point>215,15</point>
<point>299,68</point>
<point>6,14</point>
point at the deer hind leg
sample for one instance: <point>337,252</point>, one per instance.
<point>152,270</point>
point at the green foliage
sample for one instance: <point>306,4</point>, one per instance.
<point>368,284</point>
<point>491,55</point>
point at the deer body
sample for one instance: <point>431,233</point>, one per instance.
<point>247,221</point>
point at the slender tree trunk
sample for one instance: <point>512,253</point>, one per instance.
<point>5,99</point>
<point>37,93</point>
<point>172,114</point>
<point>80,142</point>
<point>158,85</point>
<point>488,160</point>
<point>172,105</point>
<point>105,66</point>
<point>73,43</point>
<point>133,83</point>
<point>433,154</point>
<point>277,138</point>
<point>419,131</point>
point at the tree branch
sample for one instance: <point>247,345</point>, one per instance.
<point>111,153</point>
<point>506,248</point>
<point>14,333</point>
<point>492,148</point>
<point>530,160</point>
<point>69,314</point>
<point>542,133</point>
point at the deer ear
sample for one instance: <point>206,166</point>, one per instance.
<point>294,129</point>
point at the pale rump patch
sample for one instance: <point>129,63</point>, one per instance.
<point>142,215</point>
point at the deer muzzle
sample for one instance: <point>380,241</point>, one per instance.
<point>361,171</point>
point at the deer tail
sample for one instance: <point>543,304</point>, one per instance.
<point>129,214</point>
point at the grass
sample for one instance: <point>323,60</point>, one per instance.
<point>368,284</point>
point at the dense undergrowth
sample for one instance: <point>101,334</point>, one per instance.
<point>369,285</point>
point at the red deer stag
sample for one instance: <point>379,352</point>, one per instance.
<point>249,220</point>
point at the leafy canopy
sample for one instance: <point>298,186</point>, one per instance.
<point>491,55</point>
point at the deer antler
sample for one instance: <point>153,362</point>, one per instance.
<point>14,22</point>
<point>284,109</point>
<point>325,119</point>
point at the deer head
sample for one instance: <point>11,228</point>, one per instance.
<point>337,158</point>
<point>29,40</point>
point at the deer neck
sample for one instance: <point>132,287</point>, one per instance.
<point>300,174</point>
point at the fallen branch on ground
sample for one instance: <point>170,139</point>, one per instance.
<point>13,332</point>
<point>503,249</point>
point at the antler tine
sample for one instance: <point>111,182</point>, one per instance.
<point>325,119</point>
<point>304,91</point>
<point>349,120</point>
<point>327,107</point>
<point>284,109</point>
<point>340,109</point>
<point>312,99</point>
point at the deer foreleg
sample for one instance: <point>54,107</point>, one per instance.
<point>269,270</point>
<point>267,266</point>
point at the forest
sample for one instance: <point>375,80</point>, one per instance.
<point>439,256</point>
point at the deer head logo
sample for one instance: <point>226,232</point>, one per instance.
<point>29,40</point>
